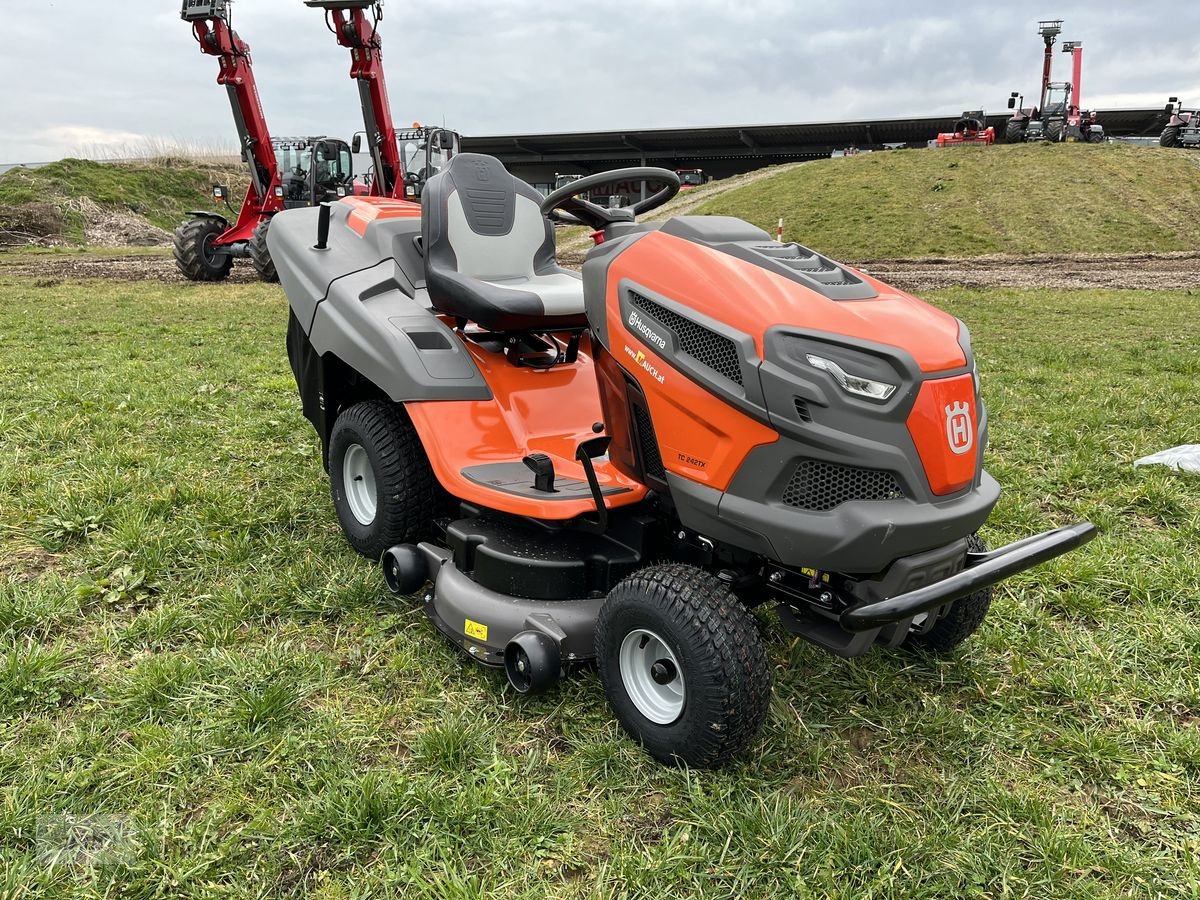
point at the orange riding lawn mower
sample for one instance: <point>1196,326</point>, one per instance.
<point>616,468</point>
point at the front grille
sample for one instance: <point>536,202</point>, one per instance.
<point>648,442</point>
<point>707,347</point>
<point>821,486</point>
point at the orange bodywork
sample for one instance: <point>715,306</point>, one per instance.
<point>751,299</point>
<point>944,425</point>
<point>548,411</point>
<point>369,209</point>
<point>701,437</point>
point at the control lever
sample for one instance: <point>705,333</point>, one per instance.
<point>542,467</point>
<point>589,450</point>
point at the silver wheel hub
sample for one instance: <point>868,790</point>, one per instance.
<point>359,480</point>
<point>652,676</point>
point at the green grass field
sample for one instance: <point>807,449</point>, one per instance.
<point>972,201</point>
<point>192,656</point>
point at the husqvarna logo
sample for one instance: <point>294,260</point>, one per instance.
<point>636,323</point>
<point>960,430</point>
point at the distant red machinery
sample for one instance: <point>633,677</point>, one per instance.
<point>1183,126</point>
<point>1059,116</point>
<point>284,173</point>
<point>971,128</point>
<point>402,160</point>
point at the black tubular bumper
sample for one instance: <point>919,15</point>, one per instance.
<point>982,570</point>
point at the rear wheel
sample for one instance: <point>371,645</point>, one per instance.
<point>382,485</point>
<point>683,665</point>
<point>1054,131</point>
<point>1170,136</point>
<point>260,256</point>
<point>1014,132</point>
<point>960,621</point>
<point>195,255</point>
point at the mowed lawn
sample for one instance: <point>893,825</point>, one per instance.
<point>196,670</point>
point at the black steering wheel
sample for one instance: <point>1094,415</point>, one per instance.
<point>564,206</point>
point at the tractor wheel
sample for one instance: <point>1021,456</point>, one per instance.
<point>380,478</point>
<point>959,622</point>
<point>1054,132</point>
<point>683,665</point>
<point>260,256</point>
<point>1094,137</point>
<point>194,252</point>
<point>1014,132</point>
<point>1170,137</point>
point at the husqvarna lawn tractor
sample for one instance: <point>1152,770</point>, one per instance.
<point>617,468</point>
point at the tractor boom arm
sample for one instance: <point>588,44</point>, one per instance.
<point>355,24</point>
<point>210,23</point>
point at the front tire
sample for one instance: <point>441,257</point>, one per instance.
<point>260,256</point>
<point>1170,137</point>
<point>683,665</point>
<point>195,255</point>
<point>959,622</point>
<point>1014,132</point>
<point>380,478</point>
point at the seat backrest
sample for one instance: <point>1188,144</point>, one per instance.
<point>480,221</point>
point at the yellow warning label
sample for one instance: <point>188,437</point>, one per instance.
<point>475,630</point>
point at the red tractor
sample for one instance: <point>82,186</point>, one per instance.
<point>1059,116</point>
<point>971,128</point>
<point>396,173</point>
<point>1183,126</point>
<point>284,173</point>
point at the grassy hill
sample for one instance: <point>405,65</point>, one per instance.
<point>61,200</point>
<point>1037,198</point>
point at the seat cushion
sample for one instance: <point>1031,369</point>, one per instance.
<point>490,251</point>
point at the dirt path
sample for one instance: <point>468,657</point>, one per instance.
<point>1141,271</point>
<point>140,267</point>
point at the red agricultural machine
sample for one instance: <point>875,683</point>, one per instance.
<point>396,173</point>
<point>1058,117</point>
<point>1183,126</point>
<point>971,128</point>
<point>284,173</point>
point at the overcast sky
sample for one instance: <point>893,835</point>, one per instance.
<point>82,77</point>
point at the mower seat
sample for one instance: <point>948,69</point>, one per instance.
<point>489,251</point>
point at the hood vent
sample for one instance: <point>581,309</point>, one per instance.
<point>708,348</point>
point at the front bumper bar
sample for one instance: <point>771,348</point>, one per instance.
<point>982,570</point>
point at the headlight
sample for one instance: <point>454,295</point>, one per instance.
<point>853,384</point>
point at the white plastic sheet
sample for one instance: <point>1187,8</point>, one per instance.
<point>1182,459</point>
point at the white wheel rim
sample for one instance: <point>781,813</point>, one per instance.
<point>359,480</point>
<point>652,676</point>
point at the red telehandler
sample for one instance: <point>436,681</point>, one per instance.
<point>1059,116</point>
<point>355,24</point>
<point>284,174</point>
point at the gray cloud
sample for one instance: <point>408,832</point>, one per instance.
<point>80,76</point>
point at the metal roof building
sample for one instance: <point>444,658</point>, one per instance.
<point>722,151</point>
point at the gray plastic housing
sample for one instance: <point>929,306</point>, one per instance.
<point>363,301</point>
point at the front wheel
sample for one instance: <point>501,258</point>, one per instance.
<point>195,254</point>
<point>1014,132</point>
<point>1170,136</point>
<point>959,622</point>
<point>380,478</point>
<point>683,665</point>
<point>260,256</point>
